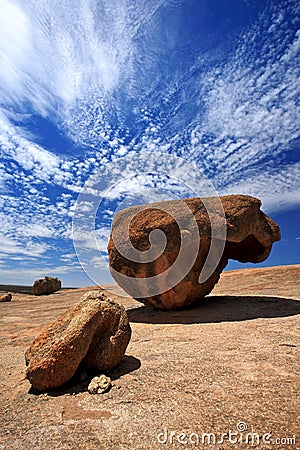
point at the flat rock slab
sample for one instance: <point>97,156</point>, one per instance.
<point>193,371</point>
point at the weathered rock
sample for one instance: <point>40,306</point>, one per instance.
<point>47,285</point>
<point>5,297</point>
<point>249,235</point>
<point>94,333</point>
<point>99,385</point>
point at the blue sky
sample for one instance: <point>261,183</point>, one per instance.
<point>86,83</point>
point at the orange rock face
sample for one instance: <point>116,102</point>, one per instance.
<point>47,285</point>
<point>171,254</point>
<point>95,333</point>
<point>5,297</point>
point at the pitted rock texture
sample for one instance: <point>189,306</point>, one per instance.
<point>94,333</point>
<point>99,385</point>
<point>46,286</point>
<point>249,237</point>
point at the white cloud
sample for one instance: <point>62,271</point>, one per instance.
<point>14,44</point>
<point>38,230</point>
<point>68,257</point>
<point>56,51</point>
<point>12,247</point>
<point>29,274</point>
<point>250,113</point>
<point>251,116</point>
<point>102,237</point>
<point>98,262</point>
<point>86,238</point>
<point>56,58</point>
<point>277,191</point>
<point>25,152</point>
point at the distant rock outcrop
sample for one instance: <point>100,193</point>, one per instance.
<point>249,235</point>
<point>47,285</point>
<point>5,297</point>
<point>94,333</point>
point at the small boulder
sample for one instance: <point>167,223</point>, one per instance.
<point>158,252</point>
<point>94,333</point>
<point>46,286</point>
<point>5,297</point>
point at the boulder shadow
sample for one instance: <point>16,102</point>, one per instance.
<point>216,309</point>
<point>128,364</point>
<point>80,381</point>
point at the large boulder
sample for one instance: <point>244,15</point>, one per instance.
<point>200,236</point>
<point>5,297</point>
<point>46,286</point>
<point>94,333</point>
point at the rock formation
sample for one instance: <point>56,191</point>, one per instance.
<point>94,333</point>
<point>5,297</point>
<point>238,230</point>
<point>47,285</point>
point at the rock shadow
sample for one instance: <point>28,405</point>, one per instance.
<point>216,309</point>
<point>80,381</point>
<point>128,364</point>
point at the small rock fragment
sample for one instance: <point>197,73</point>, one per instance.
<point>99,385</point>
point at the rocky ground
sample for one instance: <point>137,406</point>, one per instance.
<point>229,365</point>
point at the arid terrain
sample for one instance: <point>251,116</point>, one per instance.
<point>230,363</point>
